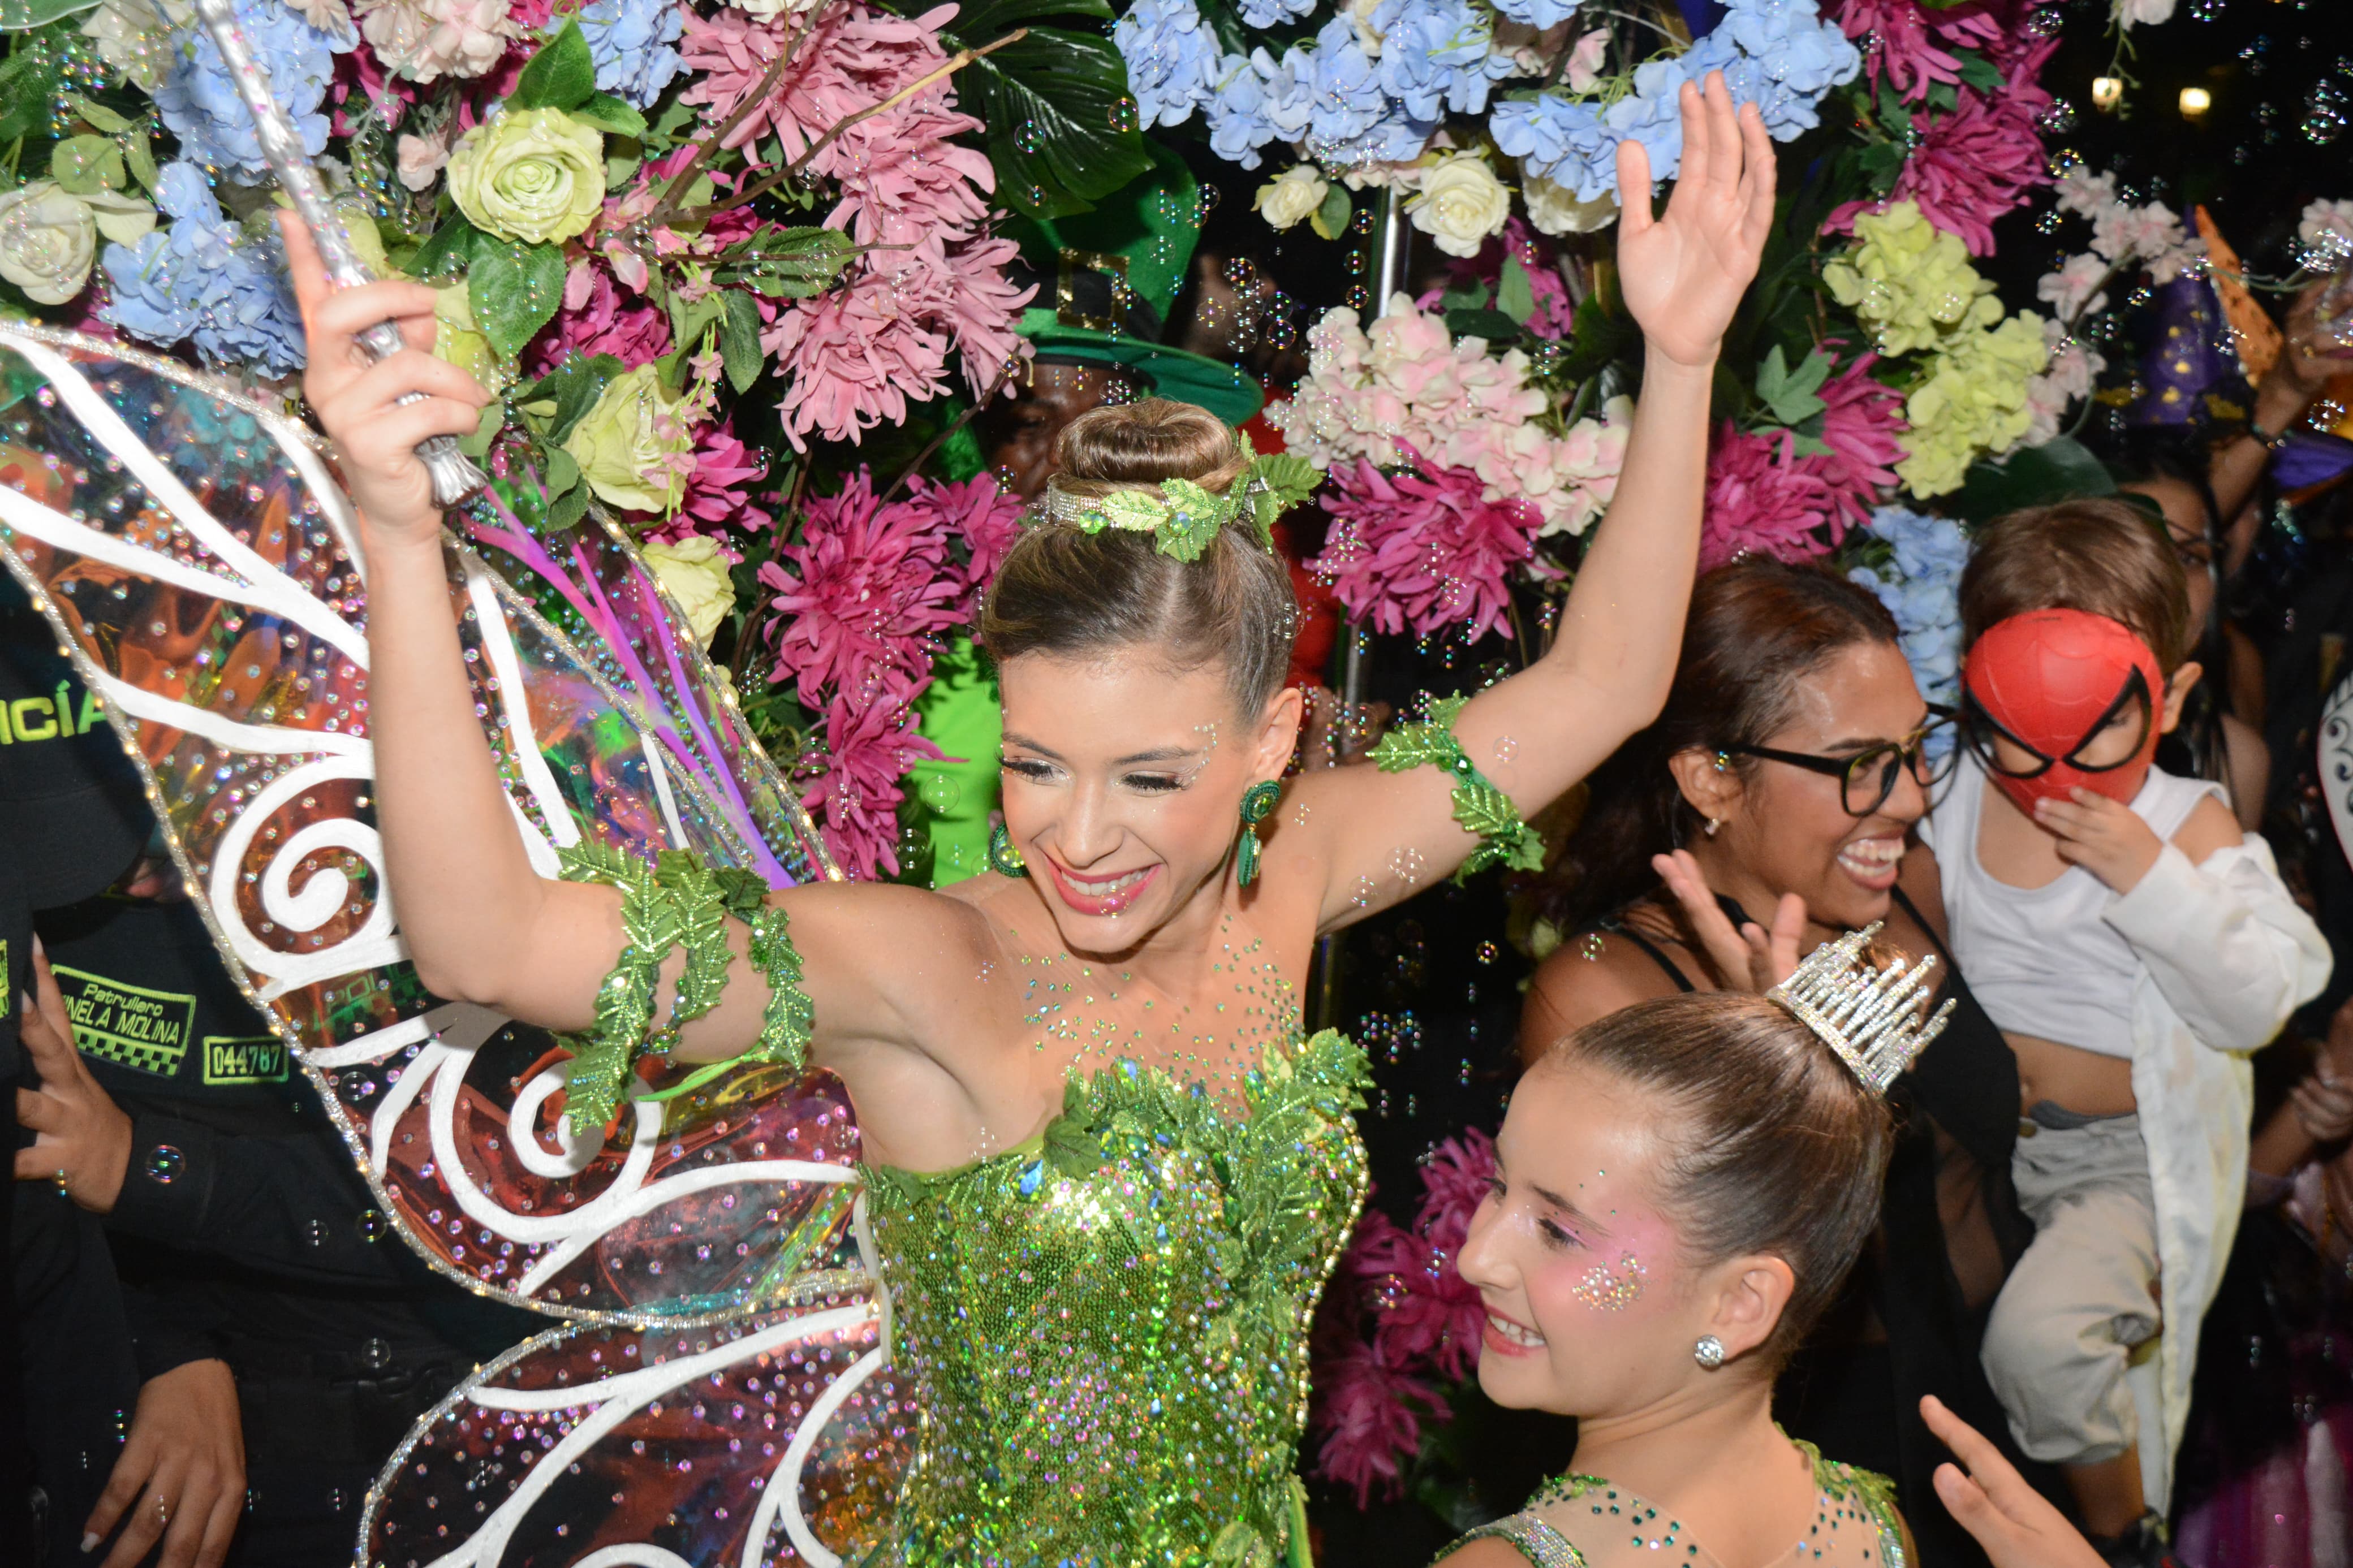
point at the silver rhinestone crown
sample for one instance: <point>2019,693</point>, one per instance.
<point>1877,1020</point>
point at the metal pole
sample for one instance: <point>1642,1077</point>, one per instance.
<point>1391,239</point>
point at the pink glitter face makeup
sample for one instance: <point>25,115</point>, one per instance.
<point>1612,1288</point>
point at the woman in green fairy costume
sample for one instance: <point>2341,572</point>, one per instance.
<point>1107,1176</point>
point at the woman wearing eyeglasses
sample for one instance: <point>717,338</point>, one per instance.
<point>1779,787</point>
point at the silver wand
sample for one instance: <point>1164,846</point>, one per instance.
<point>454,476</point>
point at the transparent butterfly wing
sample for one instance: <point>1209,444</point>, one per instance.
<point>191,548</point>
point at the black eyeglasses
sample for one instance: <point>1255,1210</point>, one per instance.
<point>1868,777</point>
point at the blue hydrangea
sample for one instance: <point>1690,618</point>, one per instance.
<point>199,103</point>
<point>1347,101</point>
<point>1438,54</point>
<point>1777,54</point>
<point>1538,13</point>
<point>1173,61</point>
<point>1922,589</point>
<point>1789,58</point>
<point>200,281</point>
<point>1235,112</point>
<point>631,41</point>
<point>1272,12</point>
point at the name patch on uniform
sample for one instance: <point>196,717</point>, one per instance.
<point>255,1058</point>
<point>141,1029</point>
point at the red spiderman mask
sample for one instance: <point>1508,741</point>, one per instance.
<point>2052,682</point>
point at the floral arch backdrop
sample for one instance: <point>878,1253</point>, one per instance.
<point>732,264</point>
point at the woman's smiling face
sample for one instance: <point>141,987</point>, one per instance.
<point>1123,782</point>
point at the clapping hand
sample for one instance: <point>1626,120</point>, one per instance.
<point>1749,959</point>
<point>1682,275</point>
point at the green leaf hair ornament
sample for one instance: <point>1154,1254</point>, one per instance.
<point>1184,517</point>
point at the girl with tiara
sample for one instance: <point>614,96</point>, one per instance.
<point>1106,1177</point>
<point>1680,1187</point>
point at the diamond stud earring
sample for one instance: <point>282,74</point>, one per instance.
<point>1709,1352</point>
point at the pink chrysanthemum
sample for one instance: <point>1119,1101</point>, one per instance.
<point>1978,163</point>
<point>1899,39</point>
<point>854,355</point>
<point>1764,498</point>
<point>596,318</point>
<point>720,488</point>
<point>1861,421</point>
<point>1423,551</point>
<point>868,747</point>
<point>857,599</point>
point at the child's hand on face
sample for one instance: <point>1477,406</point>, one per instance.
<point>2103,836</point>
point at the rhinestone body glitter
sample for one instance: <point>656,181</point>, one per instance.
<point>1612,1287</point>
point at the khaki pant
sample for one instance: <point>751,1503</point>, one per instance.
<point>2081,1296</point>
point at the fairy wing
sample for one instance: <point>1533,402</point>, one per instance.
<point>191,548</point>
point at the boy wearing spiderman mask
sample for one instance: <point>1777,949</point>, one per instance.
<point>2135,947</point>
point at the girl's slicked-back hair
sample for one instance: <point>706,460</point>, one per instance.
<point>1066,592</point>
<point>1774,1145</point>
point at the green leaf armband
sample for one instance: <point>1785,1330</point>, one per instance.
<point>1481,808</point>
<point>677,901</point>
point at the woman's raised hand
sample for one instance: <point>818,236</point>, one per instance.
<point>1683,274</point>
<point>358,404</point>
<point>1748,959</point>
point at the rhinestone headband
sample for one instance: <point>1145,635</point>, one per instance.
<point>1875,1019</point>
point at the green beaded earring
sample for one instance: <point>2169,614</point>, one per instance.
<point>1003,858</point>
<point>1258,805</point>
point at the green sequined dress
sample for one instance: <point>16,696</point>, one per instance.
<point>1585,1521</point>
<point>1107,1326</point>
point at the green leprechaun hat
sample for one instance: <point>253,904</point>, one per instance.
<point>1106,279</point>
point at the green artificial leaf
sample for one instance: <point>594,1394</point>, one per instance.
<point>1893,113</point>
<point>1599,336</point>
<point>609,113</point>
<point>680,116</point>
<point>1062,122</point>
<point>1942,98</point>
<point>689,317</point>
<point>1789,396</point>
<point>1331,219</point>
<point>563,471</point>
<point>2061,469</point>
<point>1476,297</point>
<point>1515,296</point>
<point>486,430</point>
<point>555,402</point>
<point>22,14</point>
<point>566,511</point>
<point>449,248</point>
<point>739,341</point>
<point>141,156</point>
<point>1286,479</point>
<point>1493,325</point>
<point>514,291</point>
<point>561,74</point>
<point>29,88</point>
<point>1978,71</point>
<point>96,116</point>
<point>786,263</point>
<point>1194,523</point>
<point>1879,163</point>
<point>87,165</point>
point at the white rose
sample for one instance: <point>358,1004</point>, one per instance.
<point>48,236</point>
<point>2142,12</point>
<point>695,574</point>
<point>135,37</point>
<point>1294,195</point>
<point>1555,209</point>
<point>1460,204</point>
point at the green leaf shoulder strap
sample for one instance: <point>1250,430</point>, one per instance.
<point>1481,808</point>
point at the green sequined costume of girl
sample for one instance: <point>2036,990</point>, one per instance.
<point>1585,1521</point>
